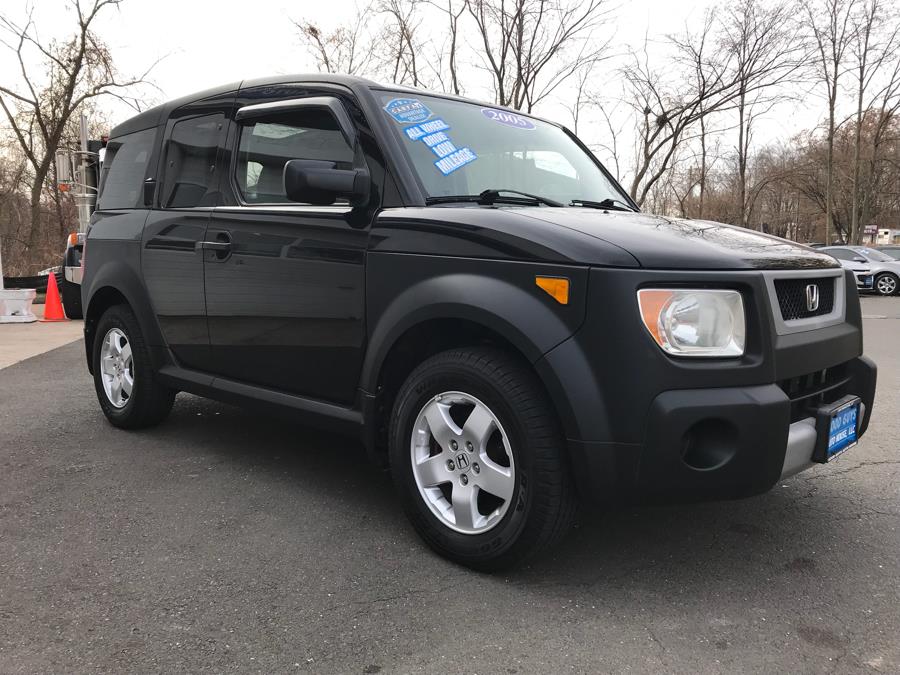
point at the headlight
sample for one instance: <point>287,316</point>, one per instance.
<point>694,322</point>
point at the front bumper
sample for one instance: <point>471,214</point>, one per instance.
<point>865,281</point>
<point>74,274</point>
<point>721,443</point>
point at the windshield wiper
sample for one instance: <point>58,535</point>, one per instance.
<point>489,197</point>
<point>614,204</point>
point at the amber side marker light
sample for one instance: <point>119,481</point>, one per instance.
<point>556,287</point>
<point>651,303</point>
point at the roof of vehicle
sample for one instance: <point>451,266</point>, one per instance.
<point>156,115</point>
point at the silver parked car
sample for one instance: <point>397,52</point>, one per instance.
<point>886,270</point>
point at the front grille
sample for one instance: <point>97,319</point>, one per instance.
<point>792,297</point>
<point>808,392</point>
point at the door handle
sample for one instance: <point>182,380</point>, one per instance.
<point>221,247</point>
<point>217,246</point>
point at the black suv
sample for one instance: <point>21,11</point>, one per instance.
<point>469,292</point>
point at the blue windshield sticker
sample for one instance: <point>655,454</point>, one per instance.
<point>508,118</point>
<point>434,125</point>
<point>444,149</point>
<point>415,133</point>
<point>456,160</point>
<point>431,133</point>
<point>407,110</point>
<point>433,139</point>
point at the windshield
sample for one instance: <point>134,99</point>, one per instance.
<point>459,148</point>
<point>876,256</point>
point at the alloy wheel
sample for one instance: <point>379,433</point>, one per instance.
<point>116,367</point>
<point>886,285</point>
<point>462,462</point>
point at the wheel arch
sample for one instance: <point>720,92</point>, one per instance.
<point>457,310</point>
<point>116,283</point>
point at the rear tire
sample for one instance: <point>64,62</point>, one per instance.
<point>129,394</point>
<point>486,499</point>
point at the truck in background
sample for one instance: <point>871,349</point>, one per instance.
<point>78,173</point>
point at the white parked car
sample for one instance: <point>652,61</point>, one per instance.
<point>884,269</point>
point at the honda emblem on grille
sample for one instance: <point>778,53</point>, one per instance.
<point>812,297</point>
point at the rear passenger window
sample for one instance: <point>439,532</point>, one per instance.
<point>268,143</point>
<point>191,162</point>
<point>124,170</point>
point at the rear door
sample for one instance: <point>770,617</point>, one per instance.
<point>186,190</point>
<point>286,300</point>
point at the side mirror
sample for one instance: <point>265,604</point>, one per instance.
<point>859,258</point>
<point>318,182</point>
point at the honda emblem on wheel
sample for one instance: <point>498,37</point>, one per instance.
<point>812,297</point>
<point>462,461</point>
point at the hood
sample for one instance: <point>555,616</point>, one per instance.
<point>676,243</point>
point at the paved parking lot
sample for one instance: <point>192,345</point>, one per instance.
<point>222,541</point>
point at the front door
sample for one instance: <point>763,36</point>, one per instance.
<point>285,291</point>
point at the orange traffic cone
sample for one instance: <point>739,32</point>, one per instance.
<point>53,309</point>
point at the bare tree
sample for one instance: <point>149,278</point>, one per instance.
<point>882,169</point>
<point>379,40</point>
<point>398,40</point>
<point>453,11</point>
<point>703,173</point>
<point>14,212</point>
<point>830,23</point>
<point>669,104</point>
<point>767,51</point>
<point>346,49</point>
<point>69,74</point>
<point>581,99</point>
<point>875,41</point>
<point>609,143</point>
<point>531,47</point>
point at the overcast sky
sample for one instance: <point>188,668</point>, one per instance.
<point>203,43</point>
<point>206,42</point>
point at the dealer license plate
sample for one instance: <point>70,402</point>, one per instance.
<point>842,429</point>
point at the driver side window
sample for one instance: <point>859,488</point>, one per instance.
<point>268,143</point>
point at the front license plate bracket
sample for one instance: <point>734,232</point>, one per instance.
<point>837,428</point>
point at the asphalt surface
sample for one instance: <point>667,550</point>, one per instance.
<point>222,541</point>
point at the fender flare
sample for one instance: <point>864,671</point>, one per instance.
<point>520,316</point>
<point>505,308</point>
<point>120,276</point>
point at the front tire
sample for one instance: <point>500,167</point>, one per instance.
<point>129,394</point>
<point>886,284</point>
<point>478,458</point>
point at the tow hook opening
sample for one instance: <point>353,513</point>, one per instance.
<point>709,444</point>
